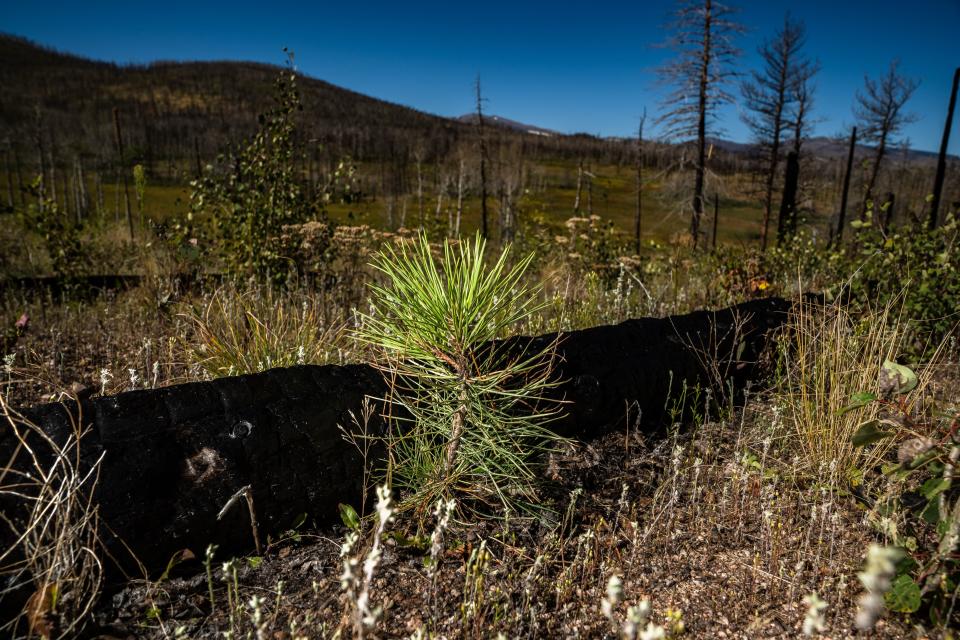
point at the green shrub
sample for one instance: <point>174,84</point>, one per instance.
<point>920,509</point>
<point>60,234</point>
<point>921,265</point>
<point>239,210</point>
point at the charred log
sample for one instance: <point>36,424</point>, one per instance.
<point>173,457</point>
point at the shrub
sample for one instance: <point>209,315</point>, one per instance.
<point>246,205</point>
<point>921,265</point>
<point>475,409</point>
<point>60,234</point>
<point>919,511</point>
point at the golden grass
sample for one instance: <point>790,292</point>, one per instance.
<point>831,356</point>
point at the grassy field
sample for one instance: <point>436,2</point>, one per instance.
<point>550,197</point>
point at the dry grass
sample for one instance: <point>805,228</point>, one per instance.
<point>831,356</point>
<point>53,553</point>
<point>247,331</point>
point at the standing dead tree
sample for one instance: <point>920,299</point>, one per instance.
<point>942,158</point>
<point>484,229</point>
<point>118,141</point>
<point>769,95</point>
<point>880,116</point>
<point>703,35</point>
<point>799,118</point>
<point>455,225</point>
<point>845,191</point>
<point>639,215</point>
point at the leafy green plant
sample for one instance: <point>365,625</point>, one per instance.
<point>921,265</point>
<point>473,408</point>
<point>257,192</point>
<point>921,509</point>
<point>60,234</point>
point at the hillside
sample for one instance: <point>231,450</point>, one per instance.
<point>164,106</point>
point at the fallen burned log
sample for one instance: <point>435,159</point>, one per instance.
<point>173,457</point>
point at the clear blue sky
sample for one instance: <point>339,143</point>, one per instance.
<point>583,66</point>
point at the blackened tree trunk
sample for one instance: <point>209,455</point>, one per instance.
<point>118,139</point>
<point>942,158</point>
<point>576,199</point>
<point>9,169</point>
<point>886,213</point>
<point>701,167</point>
<point>842,219</point>
<point>484,229</point>
<point>788,204</point>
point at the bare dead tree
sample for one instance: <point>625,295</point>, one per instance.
<point>484,229</point>
<point>942,158</point>
<point>83,199</point>
<point>880,116</point>
<point>590,176</point>
<point>118,139</point>
<point>800,120</point>
<point>38,141</point>
<point>418,156</point>
<point>703,35</point>
<point>441,187</point>
<point>9,169</point>
<point>768,96</point>
<point>455,228</point>
<point>841,221</point>
<point>640,158</point>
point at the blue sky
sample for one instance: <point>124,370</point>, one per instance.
<point>578,66</point>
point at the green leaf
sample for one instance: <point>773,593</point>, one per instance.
<point>904,378</point>
<point>934,487</point>
<point>904,595</point>
<point>858,400</point>
<point>349,516</point>
<point>254,561</point>
<point>931,514</point>
<point>414,542</point>
<point>869,433</point>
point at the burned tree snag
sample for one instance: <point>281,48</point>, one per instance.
<point>841,220</point>
<point>118,140</point>
<point>942,157</point>
<point>787,221</point>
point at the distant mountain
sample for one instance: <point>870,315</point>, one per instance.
<point>165,106</point>
<point>172,114</point>
<point>507,123</point>
<point>827,148</point>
